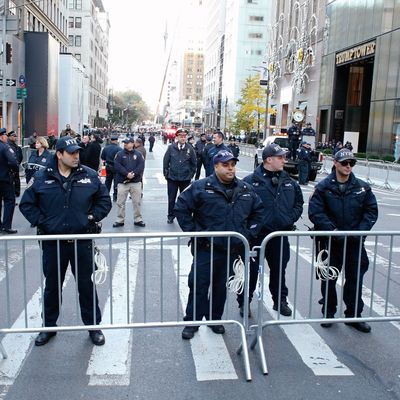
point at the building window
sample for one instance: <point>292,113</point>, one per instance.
<point>258,18</point>
<point>70,22</point>
<point>71,4</point>
<point>78,40</point>
<point>78,22</point>
<point>78,56</point>
<point>78,4</point>
<point>252,2</point>
<point>70,40</point>
<point>255,35</point>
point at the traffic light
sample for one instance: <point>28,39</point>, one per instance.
<point>8,53</point>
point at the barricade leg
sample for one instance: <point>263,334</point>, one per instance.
<point>3,351</point>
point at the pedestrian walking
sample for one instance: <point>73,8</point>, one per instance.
<point>344,202</point>
<point>108,156</point>
<point>152,140</point>
<point>92,152</point>
<point>38,159</point>
<point>179,166</point>
<point>67,198</point>
<point>283,205</point>
<point>68,131</point>
<point>129,166</point>
<point>220,202</point>
<point>8,167</point>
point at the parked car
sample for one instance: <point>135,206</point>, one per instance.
<point>291,166</point>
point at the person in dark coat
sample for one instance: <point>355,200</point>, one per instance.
<point>199,148</point>
<point>304,158</point>
<point>38,159</point>
<point>12,142</point>
<point>211,151</point>
<point>92,154</point>
<point>233,147</point>
<point>294,140</point>
<point>179,166</point>
<point>283,205</point>
<point>108,155</point>
<point>220,202</point>
<point>152,140</point>
<point>45,204</point>
<point>343,202</point>
<point>8,167</point>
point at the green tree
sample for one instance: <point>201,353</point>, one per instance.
<point>129,108</point>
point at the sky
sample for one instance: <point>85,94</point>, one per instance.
<point>136,50</point>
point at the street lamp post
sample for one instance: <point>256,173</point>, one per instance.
<point>264,81</point>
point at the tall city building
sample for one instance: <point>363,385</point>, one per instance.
<point>293,60</point>
<point>186,72</point>
<point>234,50</point>
<point>360,75</point>
<point>88,40</point>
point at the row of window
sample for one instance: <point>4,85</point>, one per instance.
<point>75,40</point>
<point>75,22</point>
<point>75,4</point>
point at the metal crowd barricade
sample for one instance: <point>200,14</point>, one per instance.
<point>304,292</point>
<point>119,283</point>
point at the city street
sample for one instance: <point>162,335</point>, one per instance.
<point>304,361</point>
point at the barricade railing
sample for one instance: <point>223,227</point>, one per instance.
<point>247,150</point>
<point>137,264</point>
<point>347,250</point>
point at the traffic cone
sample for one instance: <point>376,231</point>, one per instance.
<point>103,171</point>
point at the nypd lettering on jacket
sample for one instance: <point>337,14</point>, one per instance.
<point>58,205</point>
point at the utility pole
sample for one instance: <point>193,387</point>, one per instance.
<point>4,61</point>
<point>264,81</point>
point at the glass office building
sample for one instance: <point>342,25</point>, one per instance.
<point>359,93</point>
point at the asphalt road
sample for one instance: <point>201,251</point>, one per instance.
<point>305,361</point>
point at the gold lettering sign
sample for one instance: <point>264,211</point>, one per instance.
<point>356,53</point>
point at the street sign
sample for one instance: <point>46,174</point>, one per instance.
<point>11,82</point>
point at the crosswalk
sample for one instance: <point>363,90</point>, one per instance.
<point>111,365</point>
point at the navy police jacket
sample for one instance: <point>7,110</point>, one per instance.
<point>108,154</point>
<point>211,151</point>
<point>206,205</point>
<point>36,162</point>
<point>8,162</point>
<point>355,208</point>
<point>128,161</point>
<point>283,202</point>
<point>57,208</point>
<point>179,165</point>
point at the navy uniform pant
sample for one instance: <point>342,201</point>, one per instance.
<point>304,170</point>
<point>209,283</point>
<point>173,187</point>
<point>275,264</point>
<point>110,179</point>
<point>355,268</point>
<point>7,197</point>
<point>198,168</point>
<point>88,301</point>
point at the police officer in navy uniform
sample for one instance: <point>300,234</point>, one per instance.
<point>294,140</point>
<point>233,147</point>
<point>198,148</point>
<point>67,198</point>
<point>220,202</point>
<point>108,155</point>
<point>211,151</point>
<point>345,203</point>
<point>304,157</point>
<point>179,166</point>
<point>8,167</point>
<point>283,203</point>
<point>12,142</point>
